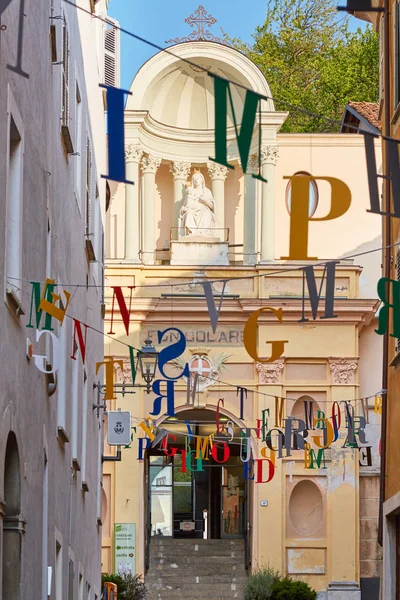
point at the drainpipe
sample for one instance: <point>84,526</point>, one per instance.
<point>387,255</point>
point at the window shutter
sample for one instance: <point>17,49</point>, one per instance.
<point>381,55</point>
<point>397,56</point>
<point>397,346</point>
<point>65,74</point>
<point>88,209</point>
<point>111,53</point>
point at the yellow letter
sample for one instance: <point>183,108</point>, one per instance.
<point>149,428</point>
<point>250,336</point>
<point>49,307</point>
<point>330,434</point>
<point>109,367</point>
<point>299,211</point>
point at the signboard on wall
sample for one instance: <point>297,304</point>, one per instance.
<point>118,427</point>
<point>125,548</point>
<point>225,336</point>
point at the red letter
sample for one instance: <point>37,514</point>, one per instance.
<point>81,341</point>
<point>125,313</point>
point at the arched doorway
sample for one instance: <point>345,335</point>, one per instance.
<point>196,486</point>
<point>12,522</point>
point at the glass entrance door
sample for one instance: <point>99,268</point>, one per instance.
<point>233,499</point>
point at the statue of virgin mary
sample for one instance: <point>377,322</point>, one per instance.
<point>197,214</point>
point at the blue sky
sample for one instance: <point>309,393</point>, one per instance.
<point>161,20</point>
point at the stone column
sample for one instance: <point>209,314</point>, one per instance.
<point>249,212</point>
<point>133,154</point>
<point>149,166</point>
<point>269,158</point>
<point>218,175</point>
<point>180,171</point>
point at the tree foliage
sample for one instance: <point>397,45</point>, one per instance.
<point>312,60</point>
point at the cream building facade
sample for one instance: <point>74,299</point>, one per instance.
<point>305,522</point>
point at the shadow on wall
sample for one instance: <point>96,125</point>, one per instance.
<point>371,264</point>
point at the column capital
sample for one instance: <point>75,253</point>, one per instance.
<point>150,164</point>
<point>252,164</point>
<point>269,154</point>
<point>217,171</point>
<point>180,169</point>
<point>133,153</point>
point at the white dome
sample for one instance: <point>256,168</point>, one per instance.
<point>180,95</point>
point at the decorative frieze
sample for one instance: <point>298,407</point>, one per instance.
<point>123,375</point>
<point>150,164</point>
<point>269,154</point>
<point>180,169</point>
<point>343,370</point>
<point>270,372</point>
<point>133,153</point>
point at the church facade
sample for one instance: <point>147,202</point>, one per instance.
<point>188,220</point>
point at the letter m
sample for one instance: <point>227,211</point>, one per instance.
<point>202,450</point>
<point>222,92</point>
<point>35,301</point>
<point>317,459</point>
<point>315,296</point>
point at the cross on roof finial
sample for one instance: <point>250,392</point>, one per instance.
<point>202,20</point>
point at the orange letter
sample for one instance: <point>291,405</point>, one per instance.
<point>299,211</point>
<point>109,367</point>
<point>250,336</point>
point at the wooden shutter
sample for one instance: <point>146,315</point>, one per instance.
<point>65,74</point>
<point>88,206</point>
<point>111,53</point>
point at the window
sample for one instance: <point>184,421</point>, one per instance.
<point>71,576</point>
<point>85,406</point>
<point>88,205</point>
<point>65,73</point>
<point>78,146</point>
<point>62,385</point>
<point>75,413</point>
<point>397,55</point>
<point>66,135</point>
<point>88,592</point>
<point>45,524</point>
<point>58,574</point>
<point>397,274</point>
<point>80,587</point>
<point>312,196</point>
<point>12,522</point>
<point>14,207</point>
<point>111,53</point>
<point>88,193</point>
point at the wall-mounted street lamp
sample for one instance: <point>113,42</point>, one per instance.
<point>147,362</point>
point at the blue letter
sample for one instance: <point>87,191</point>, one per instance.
<point>172,351</point>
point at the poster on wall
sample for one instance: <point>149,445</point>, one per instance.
<point>125,548</point>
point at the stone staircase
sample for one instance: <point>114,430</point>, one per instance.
<point>196,569</point>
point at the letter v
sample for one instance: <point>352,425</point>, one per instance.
<point>212,309</point>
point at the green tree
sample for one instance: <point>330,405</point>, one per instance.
<point>312,61</point>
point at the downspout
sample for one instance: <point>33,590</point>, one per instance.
<point>387,254</point>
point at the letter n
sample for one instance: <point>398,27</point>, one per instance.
<point>222,92</point>
<point>394,175</point>
<point>315,297</point>
<point>81,340</point>
<point>35,300</point>
<point>125,312</point>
